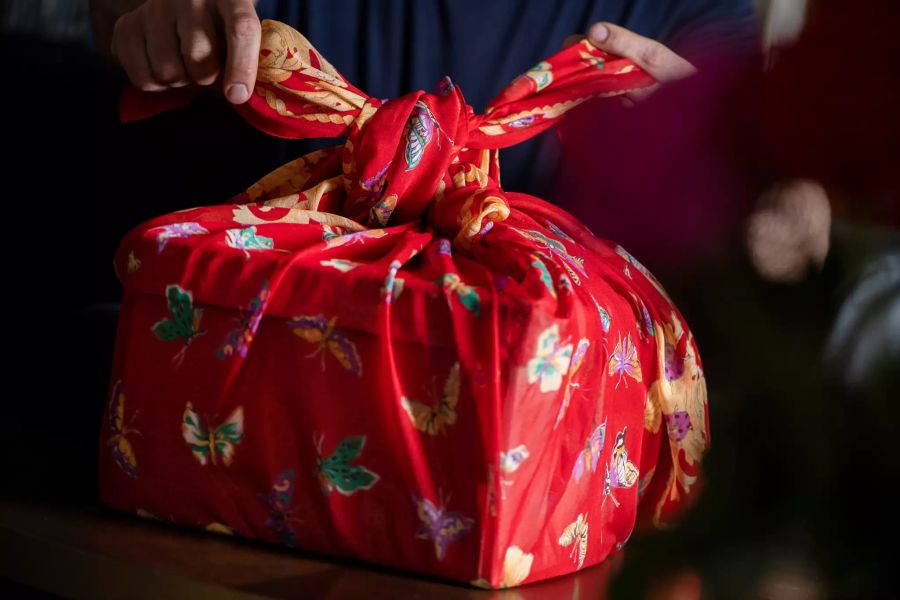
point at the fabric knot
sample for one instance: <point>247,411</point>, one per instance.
<point>422,156</point>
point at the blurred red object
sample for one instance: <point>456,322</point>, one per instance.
<point>828,109</point>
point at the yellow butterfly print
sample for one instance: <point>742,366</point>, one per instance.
<point>333,239</point>
<point>122,451</point>
<point>208,443</point>
<point>219,528</point>
<point>576,535</point>
<point>516,566</point>
<point>134,263</point>
<point>591,60</point>
<point>516,569</point>
<point>435,418</point>
<point>340,264</point>
<point>677,402</point>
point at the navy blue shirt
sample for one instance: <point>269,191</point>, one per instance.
<point>388,48</point>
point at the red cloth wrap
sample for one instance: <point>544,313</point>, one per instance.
<point>377,352</point>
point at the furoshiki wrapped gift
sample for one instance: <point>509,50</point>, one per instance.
<point>377,352</point>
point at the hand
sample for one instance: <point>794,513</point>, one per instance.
<point>658,60</point>
<point>171,43</point>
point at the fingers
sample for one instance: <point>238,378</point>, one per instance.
<point>655,58</point>
<point>170,43</point>
<point>199,41</point>
<point>242,36</point>
<point>163,47</point>
<point>129,46</point>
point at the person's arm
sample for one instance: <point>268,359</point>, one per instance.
<point>171,43</point>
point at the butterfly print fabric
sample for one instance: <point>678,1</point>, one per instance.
<point>377,352</point>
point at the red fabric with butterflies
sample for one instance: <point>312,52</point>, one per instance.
<point>377,352</point>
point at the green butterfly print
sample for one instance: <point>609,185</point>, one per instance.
<point>247,239</point>
<point>210,443</point>
<point>184,322</point>
<point>467,294</point>
<point>335,472</point>
<point>544,272</point>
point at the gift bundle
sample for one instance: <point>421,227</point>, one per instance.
<point>377,352</point>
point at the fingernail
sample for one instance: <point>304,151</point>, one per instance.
<point>237,93</point>
<point>598,34</point>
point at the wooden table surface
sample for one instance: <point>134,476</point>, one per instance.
<point>87,552</point>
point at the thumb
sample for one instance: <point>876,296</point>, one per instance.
<point>658,60</point>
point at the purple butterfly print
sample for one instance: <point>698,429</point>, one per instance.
<point>122,451</point>
<point>558,232</point>
<point>674,365</point>
<point>678,425</point>
<point>306,322</point>
<point>573,264</point>
<point>281,515</point>
<point>177,230</point>
<point>502,282</point>
<point>445,86</point>
<point>512,459</point>
<point>124,462</point>
<point>580,351</point>
<point>646,323</point>
<point>238,340</point>
<point>590,455</point>
<point>521,122</point>
<point>440,525</point>
<point>375,183</point>
<point>624,361</point>
<point>347,349</point>
<point>115,406</point>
